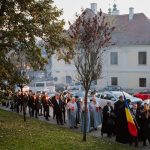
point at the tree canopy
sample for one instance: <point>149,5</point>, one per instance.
<point>23,23</point>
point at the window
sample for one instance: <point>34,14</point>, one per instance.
<point>142,82</point>
<point>142,58</point>
<point>68,79</point>
<point>55,79</point>
<point>114,81</point>
<point>114,58</point>
<point>39,84</point>
<point>49,84</point>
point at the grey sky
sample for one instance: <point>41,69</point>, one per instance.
<point>70,7</point>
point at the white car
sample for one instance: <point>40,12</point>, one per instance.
<point>112,96</point>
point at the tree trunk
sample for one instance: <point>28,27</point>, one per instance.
<point>85,116</point>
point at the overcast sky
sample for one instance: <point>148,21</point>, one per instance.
<point>70,7</point>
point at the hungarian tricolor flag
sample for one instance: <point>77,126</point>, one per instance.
<point>131,124</point>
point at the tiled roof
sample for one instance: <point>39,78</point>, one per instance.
<point>131,32</point>
<point>135,31</point>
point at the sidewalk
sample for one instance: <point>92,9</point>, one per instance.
<point>96,133</point>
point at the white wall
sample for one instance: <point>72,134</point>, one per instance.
<point>128,70</point>
<point>60,69</point>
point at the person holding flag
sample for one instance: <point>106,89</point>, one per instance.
<point>131,122</point>
<point>122,132</point>
<point>136,113</point>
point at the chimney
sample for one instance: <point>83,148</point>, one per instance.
<point>131,13</point>
<point>94,7</point>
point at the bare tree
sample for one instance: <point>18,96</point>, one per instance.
<point>91,35</point>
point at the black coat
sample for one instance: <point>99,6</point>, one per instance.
<point>137,117</point>
<point>58,108</point>
<point>122,133</point>
<point>37,103</point>
<point>145,126</point>
<point>30,101</point>
<point>45,102</point>
<point>108,120</point>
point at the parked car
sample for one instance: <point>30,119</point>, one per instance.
<point>74,90</point>
<point>145,94</point>
<point>60,87</point>
<point>112,96</point>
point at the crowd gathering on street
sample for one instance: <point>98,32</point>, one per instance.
<point>70,110</point>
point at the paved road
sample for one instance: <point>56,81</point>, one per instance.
<point>93,133</point>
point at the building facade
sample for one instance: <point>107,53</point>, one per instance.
<point>126,63</point>
<point>127,66</point>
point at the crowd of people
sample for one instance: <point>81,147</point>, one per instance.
<point>66,107</point>
<point>115,122</point>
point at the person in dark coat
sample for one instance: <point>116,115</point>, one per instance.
<point>40,106</point>
<point>122,133</point>
<point>19,102</point>
<point>24,99</point>
<point>16,107</point>
<point>12,102</point>
<point>29,103</point>
<point>136,116</point>
<point>46,103</point>
<point>57,106</point>
<point>52,100</point>
<point>63,107</point>
<point>138,119</point>
<point>108,124</point>
<point>37,105</point>
<point>21,99</point>
<point>33,104</point>
<point>145,125</point>
<point>78,116</point>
